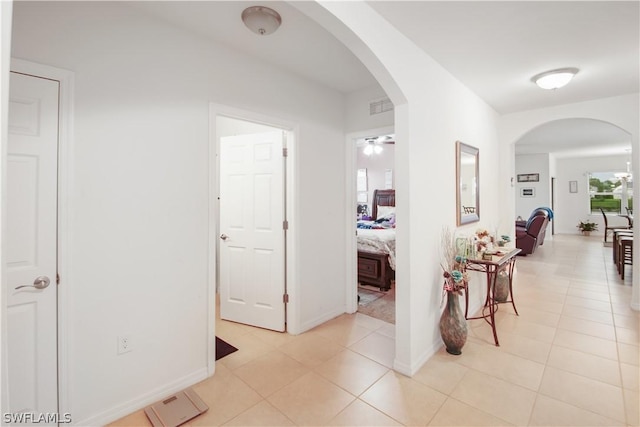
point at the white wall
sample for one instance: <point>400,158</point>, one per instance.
<point>139,225</point>
<point>432,111</point>
<point>574,207</point>
<point>357,110</point>
<point>376,165</point>
<point>527,164</point>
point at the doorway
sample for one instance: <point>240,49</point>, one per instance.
<point>375,230</point>
<point>228,123</point>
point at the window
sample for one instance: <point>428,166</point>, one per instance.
<point>610,191</point>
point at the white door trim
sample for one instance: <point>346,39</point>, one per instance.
<point>351,297</point>
<point>291,272</point>
<point>65,144</point>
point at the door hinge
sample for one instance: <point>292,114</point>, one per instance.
<point>57,279</point>
<point>285,152</point>
<point>285,225</point>
<point>285,298</point>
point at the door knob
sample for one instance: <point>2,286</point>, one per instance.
<point>224,236</point>
<point>40,282</point>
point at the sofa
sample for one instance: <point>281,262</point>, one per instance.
<point>530,234</point>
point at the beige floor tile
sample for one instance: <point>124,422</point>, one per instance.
<point>368,321</point>
<point>632,407</point>
<point>497,397</point>
<point>629,354</point>
<point>226,395</point>
<point>627,336</point>
<point>455,413</point>
<point>588,303</point>
<point>522,346</point>
<point>496,362</point>
<point>229,330</point>
<point>311,349</point>
<point>579,292</point>
<point>273,338</point>
<point>630,376</point>
<point>551,412</point>
<point>403,399</point>
<point>623,308</point>
<point>585,364</point>
<point>137,419</point>
<point>262,414</point>
<point>532,314</point>
<point>270,372</point>
<point>587,314</point>
<point>629,322</point>
<point>342,333</point>
<point>587,327</point>
<point>583,392</point>
<point>388,330</point>
<point>351,371</point>
<point>441,372</point>
<point>311,400</point>
<point>586,343</point>
<point>359,413</point>
<point>520,326</point>
<point>548,306</point>
<point>377,347</point>
<point>249,348</point>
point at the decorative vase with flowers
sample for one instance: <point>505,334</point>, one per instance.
<point>453,325</point>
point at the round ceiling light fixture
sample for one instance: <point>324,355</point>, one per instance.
<point>261,20</point>
<point>554,79</point>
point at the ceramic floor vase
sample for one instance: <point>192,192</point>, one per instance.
<point>453,325</point>
<point>501,291</point>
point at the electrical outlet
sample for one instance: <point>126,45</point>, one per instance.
<point>124,344</point>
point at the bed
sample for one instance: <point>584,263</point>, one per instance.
<point>377,242</point>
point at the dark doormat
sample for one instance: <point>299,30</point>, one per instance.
<point>223,348</point>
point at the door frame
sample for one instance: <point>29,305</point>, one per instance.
<point>65,143</point>
<point>292,129</point>
<point>351,166</point>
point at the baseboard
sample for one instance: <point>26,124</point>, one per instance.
<point>306,326</point>
<point>126,408</point>
<point>410,370</point>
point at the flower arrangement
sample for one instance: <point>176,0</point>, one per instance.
<point>587,226</point>
<point>482,239</point>
<point>504,239</point>
<point>454,266</point>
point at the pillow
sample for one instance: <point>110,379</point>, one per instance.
<point>384,211</point>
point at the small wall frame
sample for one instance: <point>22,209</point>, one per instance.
<point>527,192</point>
<point>573,186</point>
<point>528,177</point>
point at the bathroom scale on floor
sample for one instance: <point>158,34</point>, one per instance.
<point>176,409</point>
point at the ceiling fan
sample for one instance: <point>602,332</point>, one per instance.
<point>374,144</point>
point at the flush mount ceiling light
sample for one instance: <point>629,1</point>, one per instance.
<point>554,79</point>
<point>261,20</point>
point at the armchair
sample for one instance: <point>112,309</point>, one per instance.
<point>531,235</point>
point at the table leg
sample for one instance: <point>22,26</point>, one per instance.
<point>511,267</point>
<point>491,281</point>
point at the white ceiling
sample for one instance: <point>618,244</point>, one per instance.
<point>494,48</point>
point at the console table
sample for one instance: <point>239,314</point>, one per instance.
<point>506,261</point>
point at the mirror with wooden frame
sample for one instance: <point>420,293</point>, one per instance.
<point>467,184</point>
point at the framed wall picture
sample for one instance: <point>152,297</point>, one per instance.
<point>528,177</point>
<point>573,186</point>
<point>527,192</point>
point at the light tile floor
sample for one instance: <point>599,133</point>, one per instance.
<point>570,359</point>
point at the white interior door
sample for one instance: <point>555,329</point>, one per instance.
<point>31,245</point>
<point>252,235</point>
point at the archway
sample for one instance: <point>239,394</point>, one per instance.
<point>620,112</point>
